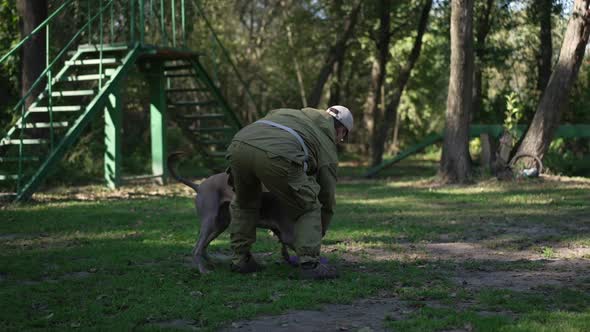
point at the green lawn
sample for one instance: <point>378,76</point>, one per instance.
<point>93,259</point>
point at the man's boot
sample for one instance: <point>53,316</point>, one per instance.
<point>246,265</point>
<point>317,271</point>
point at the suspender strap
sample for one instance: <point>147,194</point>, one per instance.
<point>295,134</point>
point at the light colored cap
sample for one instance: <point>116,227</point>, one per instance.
<point>341,114</point>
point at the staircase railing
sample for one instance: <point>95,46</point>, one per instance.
<point>144,23</point>
<point>52,64</point>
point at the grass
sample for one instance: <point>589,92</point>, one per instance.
<point>94,259</point>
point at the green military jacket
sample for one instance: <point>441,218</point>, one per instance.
<point>316,128</point>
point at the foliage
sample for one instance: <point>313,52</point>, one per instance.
<point>512,115</point>
<point>254,34</point>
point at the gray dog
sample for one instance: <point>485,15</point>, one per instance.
<point>212,202</point>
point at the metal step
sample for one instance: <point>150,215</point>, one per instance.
<point>39,109</point>
<point>61,124</point>
<point>213,116</point>
<point>90,77</point>
<point>27,141</point>
<point>72,93</point>
<point>105,47</point>
<point>7,196</point>
<point>178,75</point>
<point>212,129</point>
<point>90,62</point>
<point>8,177</point>
<point>172,90</point>
<point>13,159</point>
<point>178,67</point>
<point>194,103</point>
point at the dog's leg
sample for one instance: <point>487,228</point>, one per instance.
<point>222,221</point>
<point>210,239</point>
<point>199,250</point>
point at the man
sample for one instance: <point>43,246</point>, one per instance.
<point>293,154</point>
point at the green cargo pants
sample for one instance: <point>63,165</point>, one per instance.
<point>297,192</point>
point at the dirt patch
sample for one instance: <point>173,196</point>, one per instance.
<point>9,237</point>
<point>491,268</point>
<point>370,314</point>
<point>176,324</point>
<point>516,280</point>
<point>364,315</point>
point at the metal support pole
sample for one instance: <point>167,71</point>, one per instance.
<point>158,121</point>
<point>113,116</point>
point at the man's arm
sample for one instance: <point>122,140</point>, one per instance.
<point>327,196</point>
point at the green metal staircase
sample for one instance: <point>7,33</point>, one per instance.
<point>84,80</point>
<point>198,107</point>
<point>41,136</point>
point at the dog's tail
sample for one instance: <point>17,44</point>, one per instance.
<point>171,161</point>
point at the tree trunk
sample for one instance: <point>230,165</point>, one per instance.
<point>375,113</point>
<point>335,87</point>
<point>335,54</point>
<point>545,7</point>
<point>455,164</point>
<point>33,13</point>
<point>297,68</point>
<point>482,31</point>
<point>384,127</point>
<point>546,120</point>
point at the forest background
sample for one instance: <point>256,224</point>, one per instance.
<point>388,61</point>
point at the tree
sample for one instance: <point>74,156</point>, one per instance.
<point>33,13</point>
<point>542,10</point>
<point>378,71</point>
<point>455,165</point>
<point>335,54</point>
<point>384,127</point>
<point>546,120</point>
<point>482,30</point>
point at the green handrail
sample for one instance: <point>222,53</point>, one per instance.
<point>36,30</point>
<point>58,56</point>
<point>141,22</point>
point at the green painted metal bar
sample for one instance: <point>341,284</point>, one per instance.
<point>158,120</point>
<point>101,43</point>
<point>57,77</point>
<point>141,22</point>
<point>563,131</point>
<point>20,151</point>
<point>49,86</point>
<point>57,57</point>
<point>74,132</point>
<point>173,12</point>
<point>429,140</point>
<point>228,57</point>
<point>88,15</point>
<point>202,74</point>
<point>36,30</point>
<point>183,23</point>
<point>113,116</point>
<point>214,59</point>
